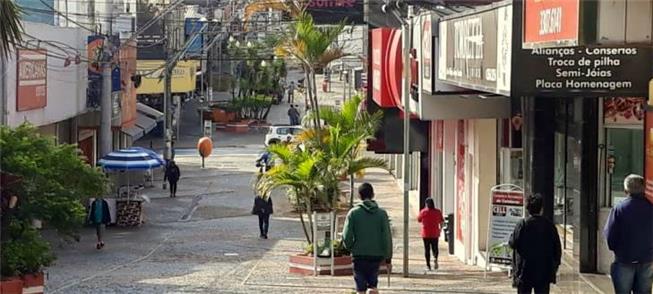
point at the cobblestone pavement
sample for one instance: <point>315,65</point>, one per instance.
<point>206,241</point>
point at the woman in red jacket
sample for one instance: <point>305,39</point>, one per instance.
<point>431,219</point>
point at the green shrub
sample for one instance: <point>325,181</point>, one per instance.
<point>25,252</point>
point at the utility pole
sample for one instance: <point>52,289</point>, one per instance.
<point>106,142</point>
<point>406,38</point>
<point>167,92</point>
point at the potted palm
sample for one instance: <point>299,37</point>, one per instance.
<point>312,173</point>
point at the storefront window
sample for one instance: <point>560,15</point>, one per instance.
<point>625,156</point>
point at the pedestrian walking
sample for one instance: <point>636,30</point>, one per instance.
<point>264,161</point>
<point>263,208</point>
<point>431,219</point>
<point>291,92</point>
<point>629,232</point>
<point>99,216</point>
<point>172,174</point>
<point>537,252</point>
<point>293,115</point>
<point>367,236</point>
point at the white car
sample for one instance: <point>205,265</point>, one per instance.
<point>280,133</point>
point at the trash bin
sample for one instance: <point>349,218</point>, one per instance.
<point>449,231</point>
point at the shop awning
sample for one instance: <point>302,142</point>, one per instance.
<point>149,111</point>
<point>145,123</point>
<point>134,132</point>
<point>471,106</point>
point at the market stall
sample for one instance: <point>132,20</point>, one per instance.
<point>128,167</point>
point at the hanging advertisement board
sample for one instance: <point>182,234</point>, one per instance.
<point>551,23</point>
<point>506,211</point>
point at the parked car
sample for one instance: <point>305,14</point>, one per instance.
<point>280,133</point>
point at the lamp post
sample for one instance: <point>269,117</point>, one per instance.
<point>406,37</point>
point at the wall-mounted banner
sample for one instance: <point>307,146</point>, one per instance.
<point>32,79</point>
<point>551,23</point>
<point>335,11</point>
<point>475,50</point>
<point>583,72</point>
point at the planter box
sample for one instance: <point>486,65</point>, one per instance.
<point>238,127</point>
<point>33,284</point>
<point>13,285</point>
<point>303,265</point>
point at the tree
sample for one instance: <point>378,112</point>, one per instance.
<point>55,180</point>
<point>10,26</point>
<point>313,167</point>
<point>359,124</point>
<point>314,47</point>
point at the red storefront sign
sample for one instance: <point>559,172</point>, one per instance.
<point>31,79</point>
<point>551,22</point>
<point>386,67</point>
<point>648,154</point>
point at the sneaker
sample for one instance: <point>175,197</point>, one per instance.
<point>98,246</point>
<point>435,265</point>
<point>101,244</point>
<point>427,269</point>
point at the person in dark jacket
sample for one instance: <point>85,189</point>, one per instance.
<point>99,216</point>
<point>629,232</point>
<point>431,219</point>
<point>537,252</point>
<point>367,235</point>
<point>172,175</point>
<point>263,208</point>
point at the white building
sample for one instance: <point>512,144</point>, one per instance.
<point>41,88</point>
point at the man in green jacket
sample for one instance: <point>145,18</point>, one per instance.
<point>367,235</point>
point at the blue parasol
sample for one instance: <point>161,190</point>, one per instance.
<point>131,159</point>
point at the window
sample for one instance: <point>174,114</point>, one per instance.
<point>624,157</point>
<point>283,131</point>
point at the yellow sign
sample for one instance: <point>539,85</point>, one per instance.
<point>183,76</point>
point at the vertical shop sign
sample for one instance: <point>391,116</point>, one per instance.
<point>551,23</point>
<point>31,81</point>
<point>461,207</point>
<point>427,53</point>
<point>648,152</point>
<point>439,133</point>
<point>506,210</point>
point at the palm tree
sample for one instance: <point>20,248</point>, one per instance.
<point>10,26</point>
<point>314,47</point>
<point>359,126</point>
<point>313,167</point>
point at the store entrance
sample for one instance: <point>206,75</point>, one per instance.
<point>567,173</point>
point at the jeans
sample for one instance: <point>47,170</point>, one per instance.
<point>430,244</point>
<point>526,289</point>
<point>264,223</point>
<point>366,274</point>
<point>631,277</point>
<point>173,188</point>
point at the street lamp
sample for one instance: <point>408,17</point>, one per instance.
<point>406,36</point>
<point>264,64</point>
